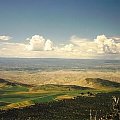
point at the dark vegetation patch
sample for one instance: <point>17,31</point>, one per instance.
<point>72,109</point>
<point>3,103</point>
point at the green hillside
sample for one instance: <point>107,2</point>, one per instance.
<point>15,94</point>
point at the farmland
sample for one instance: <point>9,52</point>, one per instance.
<point>56,101</point>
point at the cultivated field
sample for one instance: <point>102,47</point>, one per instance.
<point>72,91</point>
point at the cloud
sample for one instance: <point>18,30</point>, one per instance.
<point>102,47</point>
<point>68,48</point>
<point>48,45</point>
<point>106,45</point>
<point>12,49</point>
<point>78,41</point>
<point>84,45</point>
<point>38,43</point>
<point>116,39</point>
<point>4,38</point>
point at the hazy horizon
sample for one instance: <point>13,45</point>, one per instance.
<point>55,64</point>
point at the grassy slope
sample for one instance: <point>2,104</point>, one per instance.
<point>21,95</point>
<point>99,83</point>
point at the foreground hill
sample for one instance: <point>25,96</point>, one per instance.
<point>17,94</point>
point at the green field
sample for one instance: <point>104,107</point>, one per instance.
<point>19,95</point>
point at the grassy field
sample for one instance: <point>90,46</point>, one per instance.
<point>22,100</point>
<point>16,96</point>
<point>15,93</point>
<point>15,99</point>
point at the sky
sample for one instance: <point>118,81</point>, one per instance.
<point>60,28</point>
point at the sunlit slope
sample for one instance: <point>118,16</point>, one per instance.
<point>8,98</point>
<point>57,77</point>
<point>98,83</point>
<point>12,83</point>
<point>16,94</point>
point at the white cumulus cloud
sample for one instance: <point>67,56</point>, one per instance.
<point>69,48</point>
<point>36,43</point>
<point>37,46</point>
<point>48,45</point>
<point>106,45</point>
<point>4,38</point>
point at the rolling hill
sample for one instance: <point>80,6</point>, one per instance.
<point>12,83</point>
<point>99,83</point>
<point>17,94</point>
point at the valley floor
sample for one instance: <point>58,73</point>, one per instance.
<point>59,77</point>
